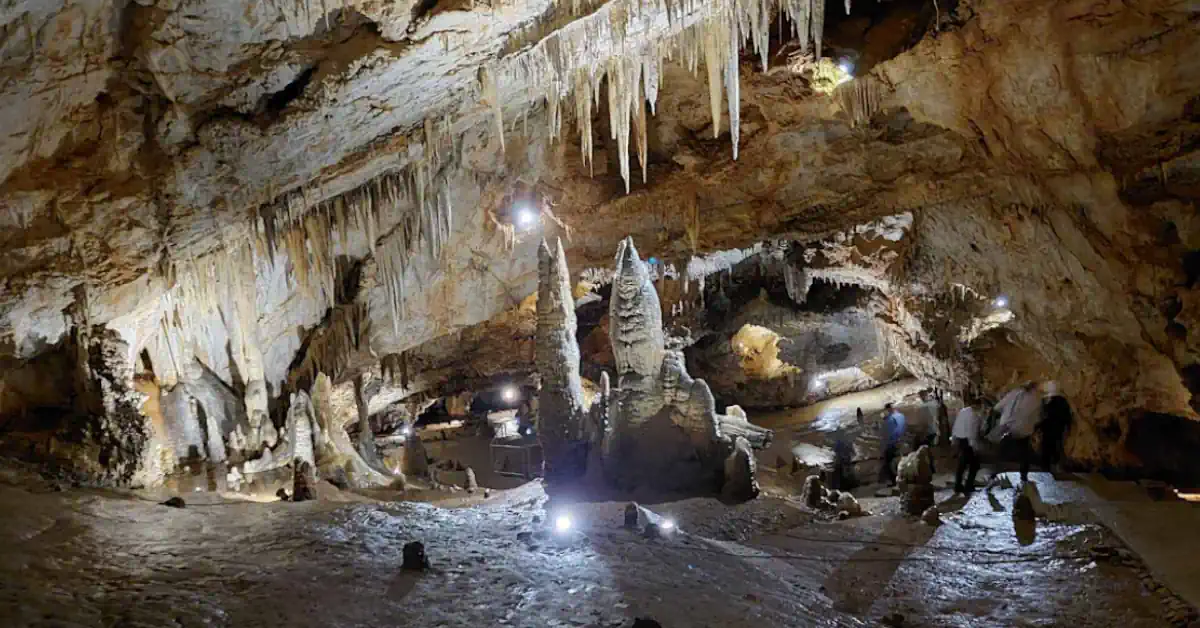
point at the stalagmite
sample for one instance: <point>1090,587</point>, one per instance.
<point>658,407</point>
<point>560,401</point>
<point>635,316</point>
<point>334,450</point>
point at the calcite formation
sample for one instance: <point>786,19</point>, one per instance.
<point>665,430</point>
<point>659,426</point>
<point>560,402</point>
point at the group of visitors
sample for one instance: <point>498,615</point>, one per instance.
<point>1011,422</point>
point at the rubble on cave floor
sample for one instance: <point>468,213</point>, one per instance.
<point>99,559</point>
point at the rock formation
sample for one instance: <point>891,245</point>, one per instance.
<point>664,428</point>
<point>335,454</point>
<point>560,401</point>
<point>916,481</point>
<point>303,481</point>
<point>658,427</point>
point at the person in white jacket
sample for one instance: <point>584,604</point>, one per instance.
<point>1020,411</point>
<point>968,426</point>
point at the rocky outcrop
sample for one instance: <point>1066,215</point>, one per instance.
<point>771,343</point>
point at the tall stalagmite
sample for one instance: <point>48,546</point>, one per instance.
<point>665,430</point>
<point>560,401</point>
<point>636,317</point>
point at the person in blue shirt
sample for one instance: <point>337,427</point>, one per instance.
<point>893,432</point>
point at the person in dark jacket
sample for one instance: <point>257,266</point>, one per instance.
<point>893,432</point>
<point>1056,418</point>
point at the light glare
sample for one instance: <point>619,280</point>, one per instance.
<point>562,523</point>
<point>667,524</point>
<point>510,394</point>
<point>525,217</point>
<point>1001,301</point>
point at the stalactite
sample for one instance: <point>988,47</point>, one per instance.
<point>640,126</point>
<point>583,117</point>
<point>817,13</point>
<point>586,51</point>
<point>733,93</point>
<point>572,62</point>
<point>714,56</point>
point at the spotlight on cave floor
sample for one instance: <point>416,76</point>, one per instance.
<point>1000,302</point>
<point>509,394</point>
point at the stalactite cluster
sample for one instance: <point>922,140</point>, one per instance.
<point>574,61</point>
<point>415,200</point>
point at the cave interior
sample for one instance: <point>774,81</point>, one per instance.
<point>584,296</point>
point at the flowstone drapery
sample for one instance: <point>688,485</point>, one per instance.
<point>659,427</point>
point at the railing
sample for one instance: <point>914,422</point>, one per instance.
<point>527,453</point>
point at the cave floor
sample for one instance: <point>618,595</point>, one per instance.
<point>91,558</point>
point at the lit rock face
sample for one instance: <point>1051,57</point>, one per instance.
<point>770,337</point>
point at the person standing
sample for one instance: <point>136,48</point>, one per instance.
<point>965,433</point>
<point>1020,411</point>
<point>1056,418</point>
<point>893,432</point>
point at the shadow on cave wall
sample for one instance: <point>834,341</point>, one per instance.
<point>1167,446</point>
